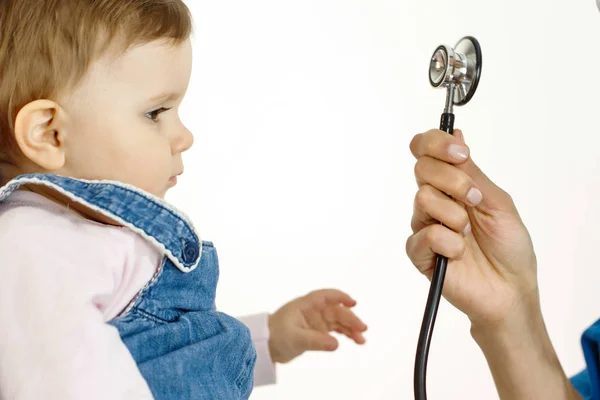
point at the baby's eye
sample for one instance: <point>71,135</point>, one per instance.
<point>153,115</point>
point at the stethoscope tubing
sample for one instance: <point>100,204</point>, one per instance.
<point>433,302</point>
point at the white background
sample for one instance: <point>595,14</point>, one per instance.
<point>302,176</point>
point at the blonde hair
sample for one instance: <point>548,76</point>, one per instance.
<point>47,46</point>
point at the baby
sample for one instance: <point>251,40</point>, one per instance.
<point>107,291</point>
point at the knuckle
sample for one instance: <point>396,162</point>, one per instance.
<point>309,296</point>
<point>414,143</point>
<point>460,219</point>
<point>424,197</point>
<point>408,246</point>
<point>461,247</point>
<point>432,133</point>
<point>418,168</point>
<point>433,234</point>
<point>431,144</point>
<point>421,167</point>
<point>412,244</point>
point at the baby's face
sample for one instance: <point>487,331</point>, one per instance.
<point>122,122</point>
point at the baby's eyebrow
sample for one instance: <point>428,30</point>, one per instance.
<point>166,96</point>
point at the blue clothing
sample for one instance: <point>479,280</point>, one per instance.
<point>587,382</point>
<point>184,348</point>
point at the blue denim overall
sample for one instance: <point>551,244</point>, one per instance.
<point>184,348</point>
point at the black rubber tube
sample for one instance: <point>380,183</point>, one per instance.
<point>433,301</point>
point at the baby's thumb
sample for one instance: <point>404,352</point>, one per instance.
<point>317,341</point>
<point>493,196</point>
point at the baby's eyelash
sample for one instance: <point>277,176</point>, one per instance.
<point>153,115</point>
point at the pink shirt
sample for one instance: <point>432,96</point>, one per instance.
<point>63,277</point>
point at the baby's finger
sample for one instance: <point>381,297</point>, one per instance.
<point>320,299</point>
<point>441,146</point>
<point>345,317</point>
<point>316,341</point>
<point>432,206</point>
<point>358,337</point>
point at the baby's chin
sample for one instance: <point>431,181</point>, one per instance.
<point>160,193</point>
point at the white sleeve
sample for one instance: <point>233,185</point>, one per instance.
<point>265,370</point>
<point>54,343</point>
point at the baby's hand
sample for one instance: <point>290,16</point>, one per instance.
<point>304,324</point>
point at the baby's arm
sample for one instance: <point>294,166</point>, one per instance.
<point>54,343</point>
<point>301,325</point>
<point>264,370</point>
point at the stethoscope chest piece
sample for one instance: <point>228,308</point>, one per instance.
<point>459,67</point>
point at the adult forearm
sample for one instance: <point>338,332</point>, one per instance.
<point>522,359</point>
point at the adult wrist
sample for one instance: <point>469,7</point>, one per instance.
<point>523,323</point>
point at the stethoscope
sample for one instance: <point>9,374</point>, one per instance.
<point>458,70</point>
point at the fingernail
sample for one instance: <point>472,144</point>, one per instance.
<point>467,229</point>
<point>458,152</point>
<point>474,196</point>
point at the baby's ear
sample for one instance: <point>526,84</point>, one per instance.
<point>39,131</point>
